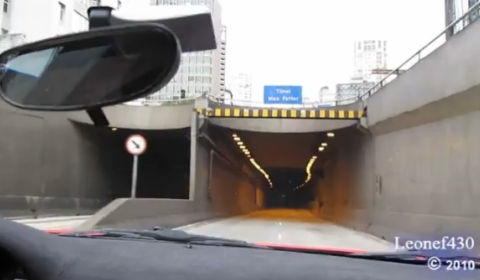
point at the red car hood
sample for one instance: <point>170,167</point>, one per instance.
<point>270,245</point>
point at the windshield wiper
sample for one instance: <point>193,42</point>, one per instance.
<point>171,235</point>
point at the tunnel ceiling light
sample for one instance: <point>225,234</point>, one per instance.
<point>331,134</point>
<point>252,160</point>
<point>321,149</point>
<point>324,144</point>
<point>308,171</point>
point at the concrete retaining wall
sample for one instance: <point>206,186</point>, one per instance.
<point>418,181</point>
<point>143,117</point>
<point>444,84</point>
<point>50,166</point>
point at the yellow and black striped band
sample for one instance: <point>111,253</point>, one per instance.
<point>281,113</point>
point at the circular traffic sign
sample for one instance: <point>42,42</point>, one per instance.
<point>136,144</point>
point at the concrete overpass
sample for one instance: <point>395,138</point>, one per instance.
<point>407,167</point>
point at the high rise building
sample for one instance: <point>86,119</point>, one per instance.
<point>223,58</point>
<point>240,86</point>
<point>347,93</point>
<point>369,55</point>
<point>11,40</point>
<point>199,72</point>
<point>40,19</point>
<point>116,4</point>
<point>454,9</point>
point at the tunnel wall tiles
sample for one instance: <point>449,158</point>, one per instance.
<point>281,113</point>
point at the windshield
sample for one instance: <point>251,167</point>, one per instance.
<point>342,125</point>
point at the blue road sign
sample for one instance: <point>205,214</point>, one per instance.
<point>282,95</point>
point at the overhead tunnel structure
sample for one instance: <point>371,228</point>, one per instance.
<point>144,117</point>
<point>282,120</point>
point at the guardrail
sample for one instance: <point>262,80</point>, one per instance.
<point>464,20</point>
<point>165,100</point>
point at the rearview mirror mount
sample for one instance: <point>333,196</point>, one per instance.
<point>98,17</point>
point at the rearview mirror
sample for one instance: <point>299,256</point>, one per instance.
<point>87,70</point>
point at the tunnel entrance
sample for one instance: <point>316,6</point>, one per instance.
<point>291,165</point>
<point>163,169</point>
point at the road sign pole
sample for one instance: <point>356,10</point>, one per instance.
<point>136,145</point>
<point>134,176</point>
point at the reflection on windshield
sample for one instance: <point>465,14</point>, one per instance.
<point>34,63</point>
<point>95,70</point>
<point>52,68</point>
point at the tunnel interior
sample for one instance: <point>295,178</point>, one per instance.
<point>289,189</point>
<point>291,165</point>
<point>163,170</point>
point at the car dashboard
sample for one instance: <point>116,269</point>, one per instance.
<point>91,259</point>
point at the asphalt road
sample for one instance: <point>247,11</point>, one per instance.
<point>290,227</point>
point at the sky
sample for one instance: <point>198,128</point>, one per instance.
<point>310,42</point>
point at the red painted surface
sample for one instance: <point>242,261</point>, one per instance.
<point>57,231</point>
<point>311,248</point>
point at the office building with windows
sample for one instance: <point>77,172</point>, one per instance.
<point>369,55</point>
<point>347,93</point>
<point>454,9</point>
<point>223,58</point>
<point>40,19</point>
<point>199,72</point>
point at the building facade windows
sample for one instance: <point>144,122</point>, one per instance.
<point>454,9</point>
<point>6,6</point>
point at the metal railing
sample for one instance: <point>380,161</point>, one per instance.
<point>464,20</point>
<point>259,104</point>
<point>174,99</point>
<point>165,100</point>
